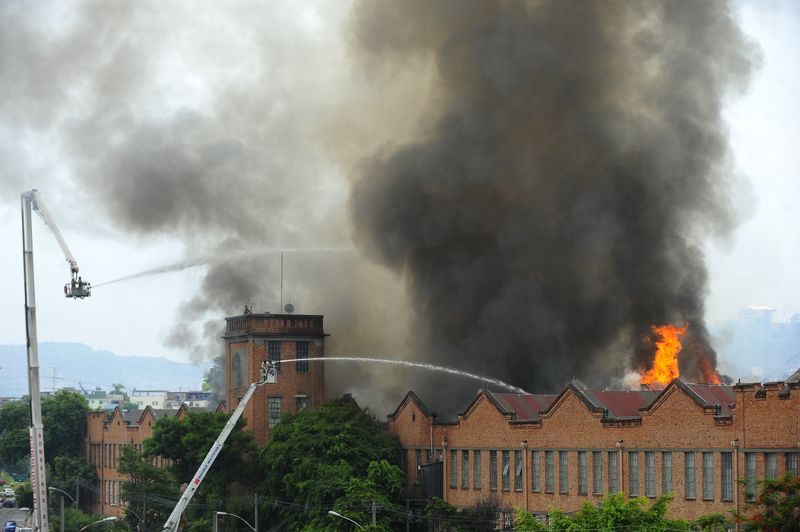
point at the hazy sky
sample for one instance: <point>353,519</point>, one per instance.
<point>71,95</point>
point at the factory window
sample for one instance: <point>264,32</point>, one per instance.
<point>597,472</point>
<point>563,472</point>
<point>633,473</point>
<point>750,476</point>
<point>301,365</point>
<point>650,474</point>
<point>274,408</point>
<point>771,465</point>
<point>493,470</point>
<point>791,464</point>
<point>238,370</point>
<point>582,489</point>
<point>518,470</point>
<point>476,469</point>
<point>506,472</point>
<point>464,468</point>
<point>417,458</point>
<point>548,471</point>
<point>666,472</point>
<point>453,468</point>
<point>708,476</point>
<point>726,460</point>
<point>613,478</point>
<point>689,474</point>
<point>428,456</point>
<point>274,353</point>
<point>536,473</point>
<point>301,402</point>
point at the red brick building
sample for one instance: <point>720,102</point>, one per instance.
<point>286,339</point>
<point>559,451</point>
<point>104,436</point>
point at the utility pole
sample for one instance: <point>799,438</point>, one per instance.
<point>62,513</point>
<point>374,512</point>
<point>255,500</point>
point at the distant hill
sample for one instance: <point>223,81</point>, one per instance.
<point>755,347</point>
<point>79,365</point>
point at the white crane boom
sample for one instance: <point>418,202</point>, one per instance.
<point>76,288</point>
<point>267,374</point>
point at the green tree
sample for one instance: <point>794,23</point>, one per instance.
<point>335,456</point>
<point>614,513</point>
<point>776,507</point>
<point>185,443</point>
<point>14,438</point>
<point>63,414</point>
<point>482,517</point>
<point>66,470</point>
<point>146,482</point>
<point>73,519</point>
<point>118,388</point>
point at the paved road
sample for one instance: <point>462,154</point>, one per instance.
<point>20,515</point>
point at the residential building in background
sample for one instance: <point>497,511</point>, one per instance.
<point>538,452</point>
<point>198,399</point>
<point>153,398</point>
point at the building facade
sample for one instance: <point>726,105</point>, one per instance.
<point>287,340</point>
<point>539,452</point>
<point>104,437</point>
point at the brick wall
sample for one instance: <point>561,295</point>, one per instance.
<point>761,421</point>
<point>247,345</point>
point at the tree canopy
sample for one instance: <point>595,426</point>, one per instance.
<point>616,512</point>
<point>776,507</point>
<point>336,456</point>
<point>62,416</point>
<point>185,443</point>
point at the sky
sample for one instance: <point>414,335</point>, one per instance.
<point>98,78</point>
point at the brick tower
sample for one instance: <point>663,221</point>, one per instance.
<point>252,338</point>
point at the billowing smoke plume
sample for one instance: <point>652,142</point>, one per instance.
<point>554,205</point>
<point>540,174</point>
<point>209,125</point>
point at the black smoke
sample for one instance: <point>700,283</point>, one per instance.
<point>554,204</point>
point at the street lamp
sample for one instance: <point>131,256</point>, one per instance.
<point>337,514</point>
<point>62,503</point>
<point>106,520</point>
<point>237,517</point>
<point>128,509</point>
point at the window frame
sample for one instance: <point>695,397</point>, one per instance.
<point>493,469</point>
<point>666,472</point>
<point>633,473</point>
<point>690,475</point>
<point>272,421</point>
<point>708,476</point>
<point>650,474</point>
<point>302,348</point>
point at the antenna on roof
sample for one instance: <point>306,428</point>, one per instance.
<point>282,280</point>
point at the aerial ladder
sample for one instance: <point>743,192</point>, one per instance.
<point>76,288</point>
<point>267,374</point>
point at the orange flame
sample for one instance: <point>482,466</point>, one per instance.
<point>665,362</point>
<point>710,375</point>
